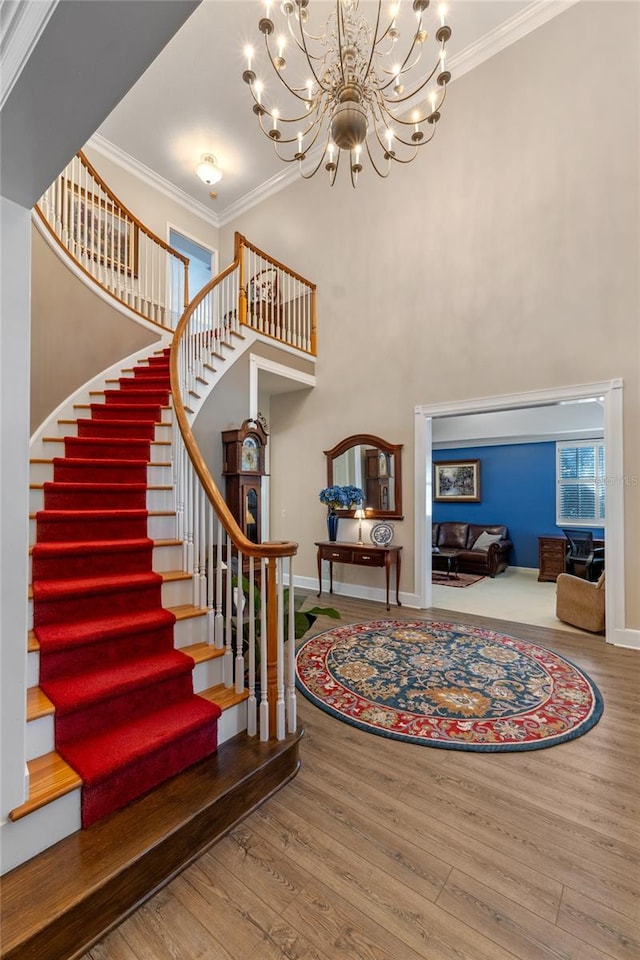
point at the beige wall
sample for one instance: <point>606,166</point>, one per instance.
<point>74,333</point>
<point>504,259</point>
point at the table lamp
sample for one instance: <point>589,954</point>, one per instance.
<point>360,515</point>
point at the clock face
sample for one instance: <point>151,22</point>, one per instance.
<point>250,454</point>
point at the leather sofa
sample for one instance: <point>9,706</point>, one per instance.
<point>473,557</point>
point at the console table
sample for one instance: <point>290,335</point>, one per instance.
<point>360,555</point>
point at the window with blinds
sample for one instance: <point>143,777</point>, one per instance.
<point>580,483</point>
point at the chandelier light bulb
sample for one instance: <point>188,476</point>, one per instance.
<point>344,89</point>
<point>208,170</point>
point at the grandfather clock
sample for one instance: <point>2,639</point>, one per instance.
<point>243,468</point>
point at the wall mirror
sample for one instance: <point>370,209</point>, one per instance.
<point>373,465</point>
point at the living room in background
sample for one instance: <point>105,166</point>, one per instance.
<point>607,395</point>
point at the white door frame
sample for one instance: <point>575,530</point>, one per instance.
<point>611,391</point>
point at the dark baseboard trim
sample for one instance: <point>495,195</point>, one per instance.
<point>59,904</point>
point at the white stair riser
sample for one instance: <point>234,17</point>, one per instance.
<point>232,722</point>
<point>156,499</point>
<point>207,674</point>
<point>167,557</point>
<point>161,527</point>
<point>157,475</point>
<point>40,737</point>
<point>185,632</point>
<point>41,829</point>
<point>174,594</point>
<point>67,429</point>
<point>164,558</point>
<point>190,630</point>
<point>54,447</point>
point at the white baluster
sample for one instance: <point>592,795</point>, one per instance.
<point>264,701</point>
<point>240,605</point>
<point>280,717</point>
<point>211,622</point>
<point>219,621</point>
<point>228,620</point>
<point>291,702</point>
<point>251,702</point>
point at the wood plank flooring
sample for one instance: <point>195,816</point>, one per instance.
<point>380,850</point>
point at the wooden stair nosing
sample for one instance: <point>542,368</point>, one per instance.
<point>90,881</point>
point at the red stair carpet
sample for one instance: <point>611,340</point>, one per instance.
<point>126,715</point>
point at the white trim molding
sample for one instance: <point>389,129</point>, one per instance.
<point>138,169</point>
<point>21,26</point>
<point>612,392</point>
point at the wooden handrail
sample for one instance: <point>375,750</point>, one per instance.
<point>285,548</point>
<point>84,160</point>
<point>243,242</point>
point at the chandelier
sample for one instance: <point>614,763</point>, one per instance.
<point>354,95</point>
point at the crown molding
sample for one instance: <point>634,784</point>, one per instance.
<point>151,178</point>
<point>21,28</point>
<point>515,28</point>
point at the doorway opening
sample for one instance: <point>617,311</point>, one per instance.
<point>202,266</point>
<point>611,394</point>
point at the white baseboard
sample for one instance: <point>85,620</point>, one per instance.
<point>626,637</point>
<point>356,590</point>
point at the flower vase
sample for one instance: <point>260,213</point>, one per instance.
<point>332,526</point>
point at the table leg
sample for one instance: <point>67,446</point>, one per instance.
<point>330,576</point>
<point>319,573</point>
<point>398,580</point>
<point>386,570</point>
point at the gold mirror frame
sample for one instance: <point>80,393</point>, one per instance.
<point>373,442</point>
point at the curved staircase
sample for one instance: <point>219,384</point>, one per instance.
<point>126,716</point>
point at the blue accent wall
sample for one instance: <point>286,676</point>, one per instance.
<point>517,488</point>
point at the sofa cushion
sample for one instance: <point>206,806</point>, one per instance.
<point>485,540</point>
<point>475,529</point>
<point>452,535</point>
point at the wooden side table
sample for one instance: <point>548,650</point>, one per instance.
<point>360,555</point>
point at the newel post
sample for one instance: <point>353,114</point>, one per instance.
<point>242,290</point>
<point>272,646</point>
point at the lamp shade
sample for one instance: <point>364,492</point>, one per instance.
<point>360,514</point>
<point>208,170</point>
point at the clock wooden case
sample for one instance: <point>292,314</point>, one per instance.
<point>243,468</point>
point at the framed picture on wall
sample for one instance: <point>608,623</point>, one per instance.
<point>102,231</point>
<point>456,481</point>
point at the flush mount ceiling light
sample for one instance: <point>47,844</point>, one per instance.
<point>208,170</point>
<point>353,92</point>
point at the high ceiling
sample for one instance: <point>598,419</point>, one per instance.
<point>192,99</point>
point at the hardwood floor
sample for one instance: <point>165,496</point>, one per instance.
<point>382,850</point>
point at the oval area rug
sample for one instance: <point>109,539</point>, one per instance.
<point>447,685</point>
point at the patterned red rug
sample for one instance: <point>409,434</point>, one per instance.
<point>440,578</point>
<point>447,685</point>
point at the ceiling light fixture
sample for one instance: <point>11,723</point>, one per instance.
<point>350,98</point>
<point>208,170</point>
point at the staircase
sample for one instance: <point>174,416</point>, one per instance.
<point>113,662</point>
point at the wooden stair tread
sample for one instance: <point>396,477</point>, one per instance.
<point>49,779</point>
<point>38,704</point>
<point>171,576</point>
<point>184,611</point>
<point>89,881</point>
<point>202,652</point>
<point>225,697</point>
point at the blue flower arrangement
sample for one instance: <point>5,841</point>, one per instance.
<point>341,498</point>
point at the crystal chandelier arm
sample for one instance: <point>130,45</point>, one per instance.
<point>292,90</point>
<point>412,93</point>
<point>312,173</point>
<point>373,162</point>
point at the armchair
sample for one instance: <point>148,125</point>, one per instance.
<point>580,602</point>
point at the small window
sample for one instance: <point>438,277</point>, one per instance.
<point>580,482</point>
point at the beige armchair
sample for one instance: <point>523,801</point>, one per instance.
<point>580,602</point>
